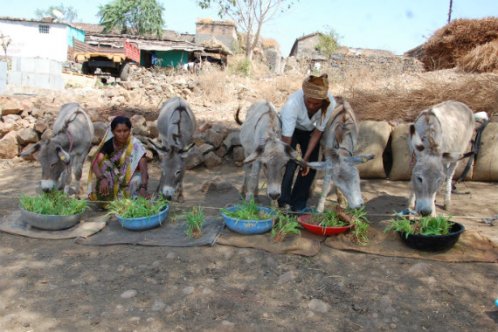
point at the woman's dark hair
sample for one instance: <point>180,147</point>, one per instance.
<point>120,120</point>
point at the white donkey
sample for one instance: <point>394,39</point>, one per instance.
<point>438,140</point>
<point>338,144</point>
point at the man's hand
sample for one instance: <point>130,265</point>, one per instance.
<point>304,171</point>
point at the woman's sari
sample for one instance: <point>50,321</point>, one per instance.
<point>118,169</point>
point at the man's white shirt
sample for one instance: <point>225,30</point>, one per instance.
<point>295,115</point>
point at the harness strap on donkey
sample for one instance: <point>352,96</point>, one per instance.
<point>475,150</point>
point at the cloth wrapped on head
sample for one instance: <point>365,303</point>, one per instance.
<point>316,87</point>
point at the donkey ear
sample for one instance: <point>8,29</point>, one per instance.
<point>187,148</point>
<point>154,146</point>
<point>294,156</point>
<point>63,155</point>
<point>415,140</point>
<point>455,156</point>
<point>360,159</point>
<point>319,165</point>
<point>30,151</point>
<point>253,156</point>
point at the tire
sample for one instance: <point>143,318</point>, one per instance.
<point>125,71</point>
<point>85,69</point>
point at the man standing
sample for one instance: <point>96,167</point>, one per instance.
<point>304,116</point>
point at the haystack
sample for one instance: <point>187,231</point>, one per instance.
<point>478,91</point>
<point>482,59</point>
<point>456,39</point>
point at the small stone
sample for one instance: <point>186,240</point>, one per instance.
<point>419,270</point>
<point>158,305</point>
<point>227,323</point>
<point>206,291</point>
<point>318,306</point>
<point>170,255</point>
<point>188,290</point>
<point>129,294</point>
<point>286,277</point>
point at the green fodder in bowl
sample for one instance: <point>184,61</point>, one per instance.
<point>329,218</point>
<point>137,207</point>
<point>53,203</point>
<point>438,225</point>
<point>247,210</point>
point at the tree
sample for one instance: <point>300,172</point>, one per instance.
<point>139,17</point>
<point>327,43</point>
<point>68,14</point>
<point>4,42</point>
<point>250,15</point>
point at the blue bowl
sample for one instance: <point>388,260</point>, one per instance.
<point>140,224</point>
<point>249,226</point>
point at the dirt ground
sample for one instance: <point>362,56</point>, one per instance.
<point>62,286</point>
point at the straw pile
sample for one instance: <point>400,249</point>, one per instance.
<point>453,41</point>
<point>482,59</point>
<point>478,91</point>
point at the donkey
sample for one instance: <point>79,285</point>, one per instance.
<point>438,140</point>
<point>338,144</point>
<point>176,125</point>
<point>67,149</point>
<point>260,136</point>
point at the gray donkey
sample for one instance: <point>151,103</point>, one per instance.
<point>65,150</point>
<point>176,125</point>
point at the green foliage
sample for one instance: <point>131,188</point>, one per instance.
<point>360,225</point>
<point>284,225</point>
<point>53,203</point>
<point>327,43</point>
<point>137,207</point>
<point>243,67</point>
<point>328,218</point>
<point>69,13</point>
<point>247,210</point>
<point>195,220</point>
<point>139,17</point>
<point>439,225</point>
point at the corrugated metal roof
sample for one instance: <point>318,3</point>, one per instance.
<point>166,45</point>
<point>40,21</point>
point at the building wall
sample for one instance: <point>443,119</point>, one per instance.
<point>306,47</point>
<point>225,33</point>
<point>166,58</point>
<point>76,34</point>
<point>27,41</point>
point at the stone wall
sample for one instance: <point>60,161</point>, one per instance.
<point>224,32</point>
<point>341,65</point>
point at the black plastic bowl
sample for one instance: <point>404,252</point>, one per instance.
<point>433,242</point>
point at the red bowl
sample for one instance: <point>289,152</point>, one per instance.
<point>304,220</point>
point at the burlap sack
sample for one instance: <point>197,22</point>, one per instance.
<point>400,153</point>
<point>401,156</point>
<point>373,138</point>
<point>486,165</point>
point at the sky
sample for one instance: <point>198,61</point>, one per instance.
<point>394,25</point>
